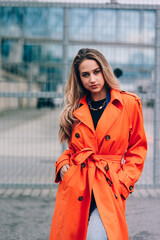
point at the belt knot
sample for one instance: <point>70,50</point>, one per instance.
<point>80,156</point>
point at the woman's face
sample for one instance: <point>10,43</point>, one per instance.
<point>92,79</point>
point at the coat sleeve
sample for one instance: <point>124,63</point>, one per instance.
<point>135,155</point>
<point>62,160</point>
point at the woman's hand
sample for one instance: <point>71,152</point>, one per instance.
<point>63,170</point>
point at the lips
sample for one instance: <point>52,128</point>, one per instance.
<point>94,86</point>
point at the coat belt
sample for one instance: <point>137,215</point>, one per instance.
<point>88,153</point>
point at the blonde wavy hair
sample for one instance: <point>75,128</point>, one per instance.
<point>75,90</point>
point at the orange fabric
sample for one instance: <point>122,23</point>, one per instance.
<point>108,160</point>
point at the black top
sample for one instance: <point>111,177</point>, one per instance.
<point>97,114</point>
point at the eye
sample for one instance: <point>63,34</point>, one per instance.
<point>96,71</point>
<point>85,74</point>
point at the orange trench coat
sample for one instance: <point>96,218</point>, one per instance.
<point>108,160</point>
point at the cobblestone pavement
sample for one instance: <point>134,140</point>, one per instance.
<point>27,214</point>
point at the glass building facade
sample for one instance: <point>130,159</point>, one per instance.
<point>32,38</point>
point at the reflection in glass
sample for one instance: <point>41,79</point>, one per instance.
<point>129,28</point>
<point>41,53</point>
<point>49,77</point>
<point>149,27</point>
<point>46,65</point>
<point>105,25</point>
<point>135,57</point>
<point>6,48</point>
<point>11,21</point>
<point>80,24</point>
<point>11,50</point>
<point>46,22</point>
<point>149,57</point>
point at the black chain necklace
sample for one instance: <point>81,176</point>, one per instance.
<point>99,108</point>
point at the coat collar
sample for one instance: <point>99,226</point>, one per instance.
<point>115,95</point>
<point>108,117</point>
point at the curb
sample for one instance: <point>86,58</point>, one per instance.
<point>29,192</point>
<point>51,193</point>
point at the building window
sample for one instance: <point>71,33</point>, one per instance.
<point>11,21</point>
<point>105,25</point>
<point>44,22</point>
<point>81,24</point>
<point>129,26</point>
<point>149,27</point>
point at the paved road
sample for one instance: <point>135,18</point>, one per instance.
<point>29,218</point>
<point>143,218</point>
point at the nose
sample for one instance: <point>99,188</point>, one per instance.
<point>92,79</point>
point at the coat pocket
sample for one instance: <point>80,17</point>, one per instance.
<point>116,184</point>
<point>68,176</point>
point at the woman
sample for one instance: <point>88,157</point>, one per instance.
<point>107,147</point>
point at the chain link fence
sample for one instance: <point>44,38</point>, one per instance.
<point>38,41</point>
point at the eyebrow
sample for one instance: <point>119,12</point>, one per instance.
<point>92,70</point>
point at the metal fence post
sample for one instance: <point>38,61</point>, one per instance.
<point>157,102</point>
<point>65,54</point>
<point>0,57</point>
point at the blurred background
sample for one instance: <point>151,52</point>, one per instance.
<point>38,41</point>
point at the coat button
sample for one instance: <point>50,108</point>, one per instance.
<point>130,188</point>
<point>107,137</point>
<point>77,135</point>
<point>80,198</point>
<point>83,165</point>
<point>106,167</point>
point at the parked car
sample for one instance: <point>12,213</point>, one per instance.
<point>45,102</point>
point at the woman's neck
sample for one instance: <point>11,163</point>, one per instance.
<point>98,97</point>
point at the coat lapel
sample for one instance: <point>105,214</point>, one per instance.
<point>109,115</point>
<point>84,115</point>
